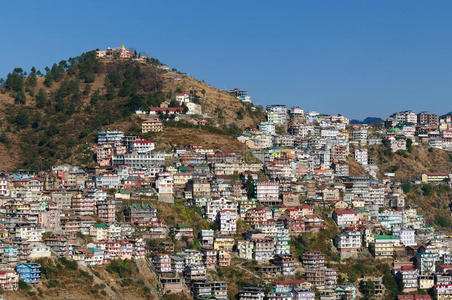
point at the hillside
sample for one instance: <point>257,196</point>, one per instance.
<point>52,118</point>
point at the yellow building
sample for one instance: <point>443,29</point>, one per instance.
<point>151,126</point>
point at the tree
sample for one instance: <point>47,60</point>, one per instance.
<point>427,189</point>
<point>114,77</point>
<point>41,99</point>
<point>249,186</point>
<point>15,80</point>
<point>409,145</point>
<point>95,98</point>
<point>21,119</point>
<point>19,97</point>
<point>31,80</point>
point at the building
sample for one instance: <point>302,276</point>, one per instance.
<point>110,136</point>
<point>9,280</point>
<point>361,156</point>
<point>348,243</point>
<point>227,219</point>
<point>435,177</point>
<point>142,146</point>
<point>268,193</point>
<point>428,120</point>
<point>151,126</point>
<point>30,273</point>
<point>346,217</point>
<point>277,113</point>
<point>383,246</point>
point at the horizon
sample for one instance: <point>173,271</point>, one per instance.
<point>347,58</point>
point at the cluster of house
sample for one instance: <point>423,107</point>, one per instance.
<point>186,105</point>
<point>299,183</point>
<point>423,127</point>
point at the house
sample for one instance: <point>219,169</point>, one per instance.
<point>224,258</point>
<point>408,279</point>
<point>210,290</point>
<point>9,280</point>
<point>182,98</point>
<point>151,126</point>
<point>264,249</point>
<point>140,213</point>
<point>383,246</point>
<point>142,146</point>
<point>348,243</point>
<point>268,193</point>
<point>206,238</point>
<point>182,231</point>
<point>227,219</point>
<point>245,249</point>
<point>251,293</point>
<point>346,217</point>
<point>225,243</point>
<point>435,177</point>
<point>162,263</point>
<point>30,273</point>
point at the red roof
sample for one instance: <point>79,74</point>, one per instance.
<point>437,174</point>
<point>345,211</point>
<point>142,142</point>
<point>290,281</point>
<point>166,109</point>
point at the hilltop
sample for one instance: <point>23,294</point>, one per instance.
<point>55,117</point>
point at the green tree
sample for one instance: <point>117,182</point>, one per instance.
<point>41,99</point>
<point>21,119</point>
<point>427,189</point>
<point>409,145</point>
<point>114,77</point>
<point>250,187</point>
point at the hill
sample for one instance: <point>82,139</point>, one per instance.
<point>53,118</point>
<point>368,121</point>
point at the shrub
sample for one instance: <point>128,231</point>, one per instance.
<point>427,189</point>
<point>443,221</point>
<point>23,286</point>
<point>70,264</point>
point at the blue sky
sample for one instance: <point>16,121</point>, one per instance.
<point>357,58</point>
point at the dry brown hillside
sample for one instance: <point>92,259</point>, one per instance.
<point>216,103</point>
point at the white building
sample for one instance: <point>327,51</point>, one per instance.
<point>267,127</point>
<point>361,156</point>
<point>227,219</point>
<point>142,146</point>
<point>277,113</point>
<point>267,192</point>
<point>348,243</point>
<point>407,237</point>
<point>182,98</point>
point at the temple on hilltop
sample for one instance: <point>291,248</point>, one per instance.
<point>118,52</point>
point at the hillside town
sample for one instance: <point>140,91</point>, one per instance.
<point>260,214</point>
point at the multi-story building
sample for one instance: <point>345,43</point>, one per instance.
<point>361,156</point>
<point>268,193</point>
<point>162,263</point>
<point>110,136</point>
<point>83,206</point>
<point>30,273</point>
<point>277,113</point>
<point>383,246</point>
<point>151,126</point>
<point>428,120</point>
<point>346,217</point>
<point>227,219</point>
<point>348,243</point>
<point>9,280</point>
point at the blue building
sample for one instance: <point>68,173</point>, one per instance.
<point>30,273</point>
